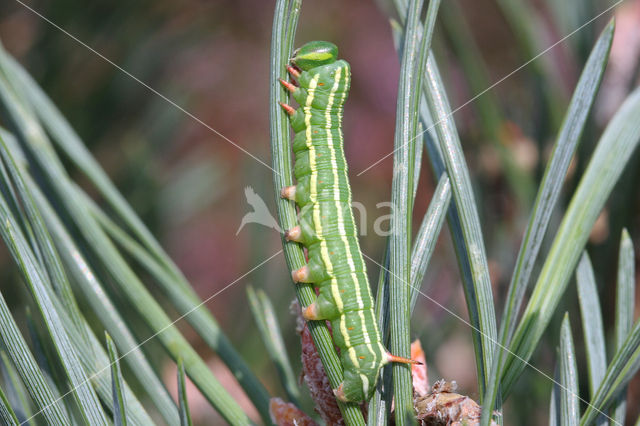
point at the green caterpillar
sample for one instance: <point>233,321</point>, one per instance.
<point>327,227</point>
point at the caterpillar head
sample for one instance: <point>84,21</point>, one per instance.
<point>315,54</point>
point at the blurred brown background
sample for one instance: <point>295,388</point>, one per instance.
<point>211,58</point>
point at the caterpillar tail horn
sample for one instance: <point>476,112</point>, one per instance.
<point>395,358</point>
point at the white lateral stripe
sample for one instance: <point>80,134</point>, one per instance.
<point>336,195</point>
<point>313,190</point>
<point>312,152</point>
<point>340,215</point>
<point>365,384</point>
<point>367,337</point>
<point>341,227</point>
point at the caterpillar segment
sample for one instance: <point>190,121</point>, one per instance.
<point>326,225</point>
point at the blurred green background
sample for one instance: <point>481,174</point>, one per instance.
<point>211,58</point>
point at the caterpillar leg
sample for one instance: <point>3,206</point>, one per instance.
<point>293,71</point>
<point>310,313</point>
<point>289,86</point>
<point>339,393</point>
<point>302,275</point>
<point>287,108</point>
<point>288,192</point>
<point>293,234</point>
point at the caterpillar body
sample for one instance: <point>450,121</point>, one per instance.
<point>327,227</point>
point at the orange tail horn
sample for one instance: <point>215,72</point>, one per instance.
<point>395,358</point>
